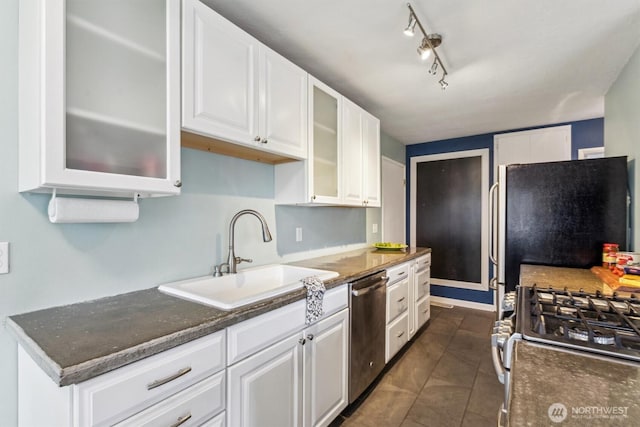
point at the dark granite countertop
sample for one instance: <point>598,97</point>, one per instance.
<point>593,391</point>
<point>559,277</point>
<point>76,342</point>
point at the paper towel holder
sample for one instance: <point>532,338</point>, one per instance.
<point>88,210</point>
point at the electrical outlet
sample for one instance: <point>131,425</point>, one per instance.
<point>4,257</point>
<point>298,234</point>
<point>374,228</point>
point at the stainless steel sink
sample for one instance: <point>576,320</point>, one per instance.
<point>245,287</point>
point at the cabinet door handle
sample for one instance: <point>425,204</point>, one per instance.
<point>400,334</point>
<point>158,383</point>
<point>181,420</point>
<point>310,337</point>
<point>425,311</point>
<point>302,341</point>
<point>178,183</point>
<point>401,299</point>
<point>257,138</point>
<point>264,140</point>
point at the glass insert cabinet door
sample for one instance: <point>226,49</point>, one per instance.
<point>115,87</point>
<point>112,98</point>
<point>326,143</point>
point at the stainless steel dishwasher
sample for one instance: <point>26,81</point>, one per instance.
<point>367,302</point>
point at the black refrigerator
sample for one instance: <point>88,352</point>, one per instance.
<point>558,214</point>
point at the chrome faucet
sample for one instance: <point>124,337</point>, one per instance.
<point>232,259</point>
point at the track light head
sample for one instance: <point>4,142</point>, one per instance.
<point>424,50</point>
<point>443,83</point>
<point>410,30</point>
<point>434,68</point>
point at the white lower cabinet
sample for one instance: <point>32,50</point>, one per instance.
<point>185,383</point>
<point>397,336</point>
<point>301,380</point>
<point>266,388</point>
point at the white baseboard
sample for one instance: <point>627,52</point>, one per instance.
<point>462,303</point>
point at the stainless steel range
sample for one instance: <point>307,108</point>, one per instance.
<point>573,321</point>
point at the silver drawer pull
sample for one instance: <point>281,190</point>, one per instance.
<point>401,273</point>
<point>181,420</point>
<point>400,334</point>
<point>401,299</point>
<point>425,311</point>
<point>158,383</point>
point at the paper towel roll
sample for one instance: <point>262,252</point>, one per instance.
<point>73,210</point>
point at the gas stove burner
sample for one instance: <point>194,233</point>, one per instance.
<point>600,304</point>
<point>545,298</point>
<point>579,334</point>
<point>568,311</point>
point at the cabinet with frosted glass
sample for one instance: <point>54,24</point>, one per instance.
<point>99,97</point>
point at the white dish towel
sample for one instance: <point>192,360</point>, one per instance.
<point>315,294</point>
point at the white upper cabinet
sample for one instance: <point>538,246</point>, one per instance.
<point>352,153</point>
<point>100,97</point>
<point>343,168</point>
<point>371,157</point>
<point>237,90</point>
<point>361,156</point>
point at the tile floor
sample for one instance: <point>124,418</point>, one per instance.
<point>444,378</point>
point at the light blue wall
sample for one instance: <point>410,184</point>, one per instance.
<point>175,238</point>
<point>622,131</point>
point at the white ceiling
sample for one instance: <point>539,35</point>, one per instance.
<point>511,63</point>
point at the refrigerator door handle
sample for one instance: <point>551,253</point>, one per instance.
<point>492,245</point>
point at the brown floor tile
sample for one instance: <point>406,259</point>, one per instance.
<point>412,370</point>
<point>454,370</point>
<point>410,423</point>
<point>479,323</point>
<point>470,346</point>
<point>474,420</point>
<point>487,396</point>
<point>440,404</point>
<point>387,405</point>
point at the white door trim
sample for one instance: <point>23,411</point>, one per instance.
<point>484,233</point>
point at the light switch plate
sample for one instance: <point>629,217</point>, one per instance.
<point>4,257</point>
<point>374,228</point>
<point>298,234</point>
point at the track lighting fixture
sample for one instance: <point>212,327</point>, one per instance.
<point>427,46</point>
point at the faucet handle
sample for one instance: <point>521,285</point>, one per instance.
<point>240,259</point>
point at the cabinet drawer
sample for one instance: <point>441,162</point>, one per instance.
<point>396,336</point>
<point>423,283</point>
<point>125,391</point>
<point>217,421</point>
<point>423,311</point>
<point>397,299</point>
<point>190,407</point>
<point>255,334</point>
<point>398,272</point>
<point>423,262</point>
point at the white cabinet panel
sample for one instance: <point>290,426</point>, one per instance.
<point>397,336</point>
<point>283,105</point>
<point>111,396</point>
<point>190,407</point>
<point>220,64</point>
<point>372,161</point>
<point>326,360</point>
<point>397,299</point>
<point>423,311</point>
<point>266,388</point>
<point>352,160</point>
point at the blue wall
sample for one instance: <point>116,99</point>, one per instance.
<point>584,134</point>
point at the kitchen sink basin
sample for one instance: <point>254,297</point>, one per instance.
<point>245,287</point>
